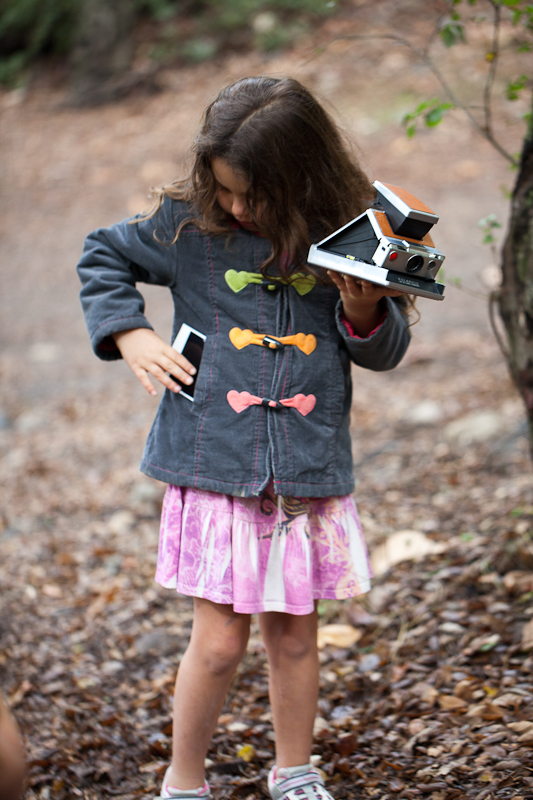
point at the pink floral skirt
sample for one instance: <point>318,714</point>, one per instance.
<point>266,553</point>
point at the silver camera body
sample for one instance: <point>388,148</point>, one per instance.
<point>388,244</point>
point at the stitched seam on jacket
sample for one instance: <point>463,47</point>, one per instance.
<point>328,299</point>
<point>261,416</point>
<point>288,355</point>
<point>208,394</point>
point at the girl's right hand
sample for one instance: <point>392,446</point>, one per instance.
<point>145,352</point>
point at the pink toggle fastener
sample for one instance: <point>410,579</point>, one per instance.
<point>239,401</point>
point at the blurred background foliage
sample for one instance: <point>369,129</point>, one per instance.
<point>167,31</point>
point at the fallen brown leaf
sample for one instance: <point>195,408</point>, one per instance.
<point>451,703</point>
<point>521,727</point>
<point>518,581</point>
<point>527,636</point>
<point>526,738</point>
<point>341,636</point>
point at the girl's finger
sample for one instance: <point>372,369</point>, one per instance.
<point>368,288</point>
<point>175,364</point>
<point>335,277</point>
<point>179,360</point>
<point>351,283</point>
<point>381,290</point>
<point>344,282</point>
<point>142,375</point>
<point>179,370</point>
<point>179,373</point>
<point>373,291</point>
<point>165,378</point>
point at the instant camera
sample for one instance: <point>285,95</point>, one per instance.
<point>389,245</point>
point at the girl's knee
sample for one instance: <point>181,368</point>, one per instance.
<point>219,636</point>
<point>290,638</point>
<point>296,647</point>
<point>221,654</point>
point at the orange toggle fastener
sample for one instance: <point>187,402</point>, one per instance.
<point>241,338</point>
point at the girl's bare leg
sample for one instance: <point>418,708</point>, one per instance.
<point>218,641</point>
<point>12,765</point>
<point>291,647</point>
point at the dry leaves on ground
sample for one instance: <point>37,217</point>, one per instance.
<point>426,686</point>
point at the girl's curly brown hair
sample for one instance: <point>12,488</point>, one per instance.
<point>277,136</point>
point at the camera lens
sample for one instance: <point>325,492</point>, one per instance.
<point>414,264</point>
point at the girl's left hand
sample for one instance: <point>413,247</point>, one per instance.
<point>361,301</point>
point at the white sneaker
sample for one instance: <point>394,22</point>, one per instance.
<point>297,783</point>
<point>203,792</point>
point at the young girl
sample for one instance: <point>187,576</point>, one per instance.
<point>258,516</point>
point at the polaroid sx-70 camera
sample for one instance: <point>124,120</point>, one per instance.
<point>389,244</point>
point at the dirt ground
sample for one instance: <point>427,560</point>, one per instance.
<point>89,644</point>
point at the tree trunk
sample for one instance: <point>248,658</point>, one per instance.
<point>103,52</point>
<point>516,293</point>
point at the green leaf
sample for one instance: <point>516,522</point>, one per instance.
<point>323,606</point>
<point>487,646</point>
<point>515,87</point>
<point>422,106</point>
<point>433,117</point>
<point>431,110</point>
<point>489,222</point>
<point>452,33</point>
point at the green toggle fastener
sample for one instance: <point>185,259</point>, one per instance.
<point>237,281</point>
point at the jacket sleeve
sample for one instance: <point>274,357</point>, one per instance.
<point>113,260</point>
<point>386,345</point>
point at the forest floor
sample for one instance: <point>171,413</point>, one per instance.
<point>426,686</point>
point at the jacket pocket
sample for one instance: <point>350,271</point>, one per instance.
<point>205,379</point>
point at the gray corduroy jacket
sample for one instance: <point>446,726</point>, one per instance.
<point>260,413</point>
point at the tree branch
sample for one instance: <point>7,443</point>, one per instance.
<point>494,299</point>
<point>495,53</point>
<point>421,55</point>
